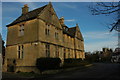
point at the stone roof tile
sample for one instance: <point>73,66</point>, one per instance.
<point>28,16</point>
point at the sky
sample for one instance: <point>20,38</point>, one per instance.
<point>93,28</point>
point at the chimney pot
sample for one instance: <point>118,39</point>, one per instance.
<point>25,5</point>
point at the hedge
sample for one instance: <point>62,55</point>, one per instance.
<point>48,63</point>
<point>72,60</point>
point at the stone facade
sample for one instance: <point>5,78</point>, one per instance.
<point>39,33</point>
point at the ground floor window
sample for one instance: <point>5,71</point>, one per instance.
<point>47,50</point>
<point>20,51</point>
<point>56,51</point>
<point>68,53</point>
<point>64,53</point>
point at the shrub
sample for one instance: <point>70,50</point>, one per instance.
<point>72,60</point>
<point>48,63</point>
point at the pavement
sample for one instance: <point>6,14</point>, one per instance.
<point>101,71</point>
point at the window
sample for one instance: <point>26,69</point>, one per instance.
<point>56,35</point>
<point>64,53</point>
<point>56,51</point>
<point>47,31</point>
<point>47,50</point>
<point>79,46</point>
<point>47,25</point>
<point>20,51</point>
<point>21,30</point>
<point>68,53</point>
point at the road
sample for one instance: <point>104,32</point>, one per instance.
<point>102,71</point>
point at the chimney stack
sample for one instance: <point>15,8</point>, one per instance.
<point>25,9</point>
<point>61,20</point>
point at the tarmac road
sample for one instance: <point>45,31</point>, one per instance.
<point>101,71</point>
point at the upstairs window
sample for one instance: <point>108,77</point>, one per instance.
<point>56,35</point>
<point>20,51</point>
<point>47,25</point>
<point>21,30</point>
<point>47,31</point>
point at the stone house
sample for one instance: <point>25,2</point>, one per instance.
<point>40,33</point>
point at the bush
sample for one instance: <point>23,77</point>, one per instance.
<point>72,60</point>
<point>48,63</point>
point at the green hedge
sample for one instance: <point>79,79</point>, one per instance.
<point>72,60</point>
<point>48,63</point>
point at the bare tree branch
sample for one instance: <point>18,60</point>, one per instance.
<point>106,8</point>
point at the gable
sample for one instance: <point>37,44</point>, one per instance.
<point>49,16</point>
<point>78,33</point>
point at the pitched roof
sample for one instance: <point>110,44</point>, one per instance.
<point>28,16</point>
<point>69,31</point>
<point>72,31</point>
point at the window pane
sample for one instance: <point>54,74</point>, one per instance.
<point>18,54</point>
<point>18,48</point>
<point>22,33</point>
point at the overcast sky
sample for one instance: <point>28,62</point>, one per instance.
<point>94,28</point>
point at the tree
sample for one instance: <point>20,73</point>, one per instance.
<point>3,51</point>
<point>107,9</point>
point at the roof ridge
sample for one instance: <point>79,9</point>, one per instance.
<point>72,27</point>
<point>36,9</point>
<point>28,16</point>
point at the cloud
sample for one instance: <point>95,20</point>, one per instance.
<point>69,6</point>
<point>70,20</point>
<point>98,35</point>
<point>98,39</point>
